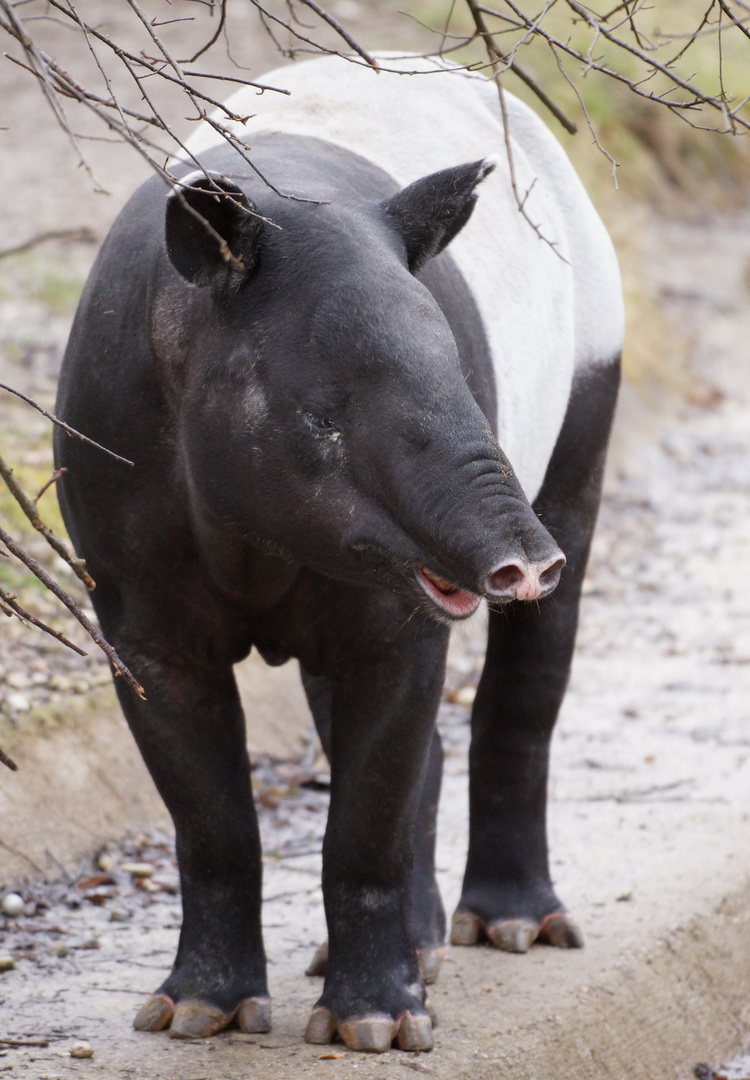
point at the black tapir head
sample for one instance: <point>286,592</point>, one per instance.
<point>323,409</point>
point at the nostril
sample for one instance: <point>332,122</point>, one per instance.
<point>525,581</point>
<point>506,579</point>
<point>549,577</point>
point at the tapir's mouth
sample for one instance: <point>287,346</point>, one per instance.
<point>458,603</point>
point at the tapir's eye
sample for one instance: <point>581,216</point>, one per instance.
<point>322,428</point>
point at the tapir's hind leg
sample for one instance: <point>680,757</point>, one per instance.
<point>191,733</point>
<point>507,894</point>
<point>428,914</point>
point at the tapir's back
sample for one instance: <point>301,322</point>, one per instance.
<point>548,309</point>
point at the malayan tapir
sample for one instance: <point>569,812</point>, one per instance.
<point>361,393</point>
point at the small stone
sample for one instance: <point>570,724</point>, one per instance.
<point>147,885</point>
<point>17,703</point>
<point>138,869</point>
<point>63,683</point>
<point>7,963</point>
<point>59,949</point>
<point>12,905</point>
<point>106,862</point>
<point>81,1050</point>
<point>168,884</point>
<point>465,696</point>
<point>119,915</point>
<point>18,680</point>
<point>81,686</point>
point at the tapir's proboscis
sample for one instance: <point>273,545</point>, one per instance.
<point>359,402</point>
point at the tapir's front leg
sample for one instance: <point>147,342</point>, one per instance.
<point>191,732</point>
<point>383,714</point>
<point>428,914</point>
<point>508,895</point>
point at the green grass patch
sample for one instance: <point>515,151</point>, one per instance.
<point>31,276</point>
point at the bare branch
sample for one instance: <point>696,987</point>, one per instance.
<point>78,566</point>
<point>215,37</point>
<point>9,604</point>
<point>341,32</point>
<point>83,235</point>
<point>8,761</point>
<point>62,424</point>
<point>49,582</point>
<point>496,61</point>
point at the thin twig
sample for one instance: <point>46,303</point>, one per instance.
<point>9,604</point>
<point>84,235</point>
<point>61,423</point>
<point>29,507</point>
<point>46,486</point>
<point>72,606</point>
<point>582,103</point>
<point>496,61</point>
<point>557,112</point>
<point>214,37</point>
<point>15,28</point>
<point>9,764</point>
<point>236,79</point>
<point>341,31</point>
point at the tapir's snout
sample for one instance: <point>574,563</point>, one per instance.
<point>523,580</point>
<point>517,579</point>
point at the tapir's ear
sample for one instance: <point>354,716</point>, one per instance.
<point>212,231</point>
<point>430,212</point>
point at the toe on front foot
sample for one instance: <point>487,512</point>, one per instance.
<point>516,935</point>
<point>375,1033</point>
<point>510,935</point>
<point>155,1014</point>
<point>513,935</point>
<point>195,1019</point>
<point>254,1015</point>
<point>561,930</point>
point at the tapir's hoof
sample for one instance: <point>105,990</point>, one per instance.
<point>562,931</point>
<point>319,963</point>
<point>198,1020</point>
<point>517,935</point>
<point>371,1034</point>
<point>429,960</point>
<point>414,1032</point>
<point>321,1027</point>
<point>155,1014</point>
<point>467,929</point>
<point>254,1015</point>
<point>512,935</point>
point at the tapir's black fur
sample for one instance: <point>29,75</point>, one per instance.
<point>304,435</point>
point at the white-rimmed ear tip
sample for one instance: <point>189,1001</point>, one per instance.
<point>490,164</point>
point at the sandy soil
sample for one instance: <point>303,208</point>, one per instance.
<point>650,799</point>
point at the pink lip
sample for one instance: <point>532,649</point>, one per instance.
<point>458,603</point>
